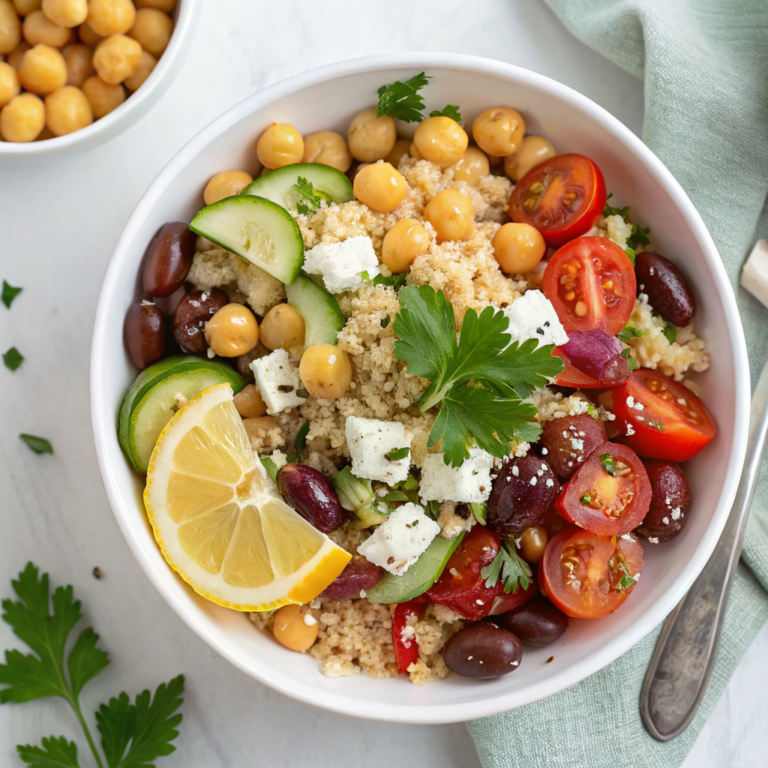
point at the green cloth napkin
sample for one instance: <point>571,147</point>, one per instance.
<point>705,67</point>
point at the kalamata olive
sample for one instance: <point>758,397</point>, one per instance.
<point>567,442</point>
<point>667,290</point>
<point>522,493</point>
<point>670,498</point>
<point>147,334</point>
<point>169,259</point>
<point>536,624</point>
<point>359,576</point>
<point>191,315</point>
<point>483,650</point>
<point>311,494</point>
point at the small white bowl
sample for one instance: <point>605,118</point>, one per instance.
<point>129,112</point>
<point>328,98</point>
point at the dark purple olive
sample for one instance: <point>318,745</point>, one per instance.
<point>311,494</point>
<point>522,493</point>
<point>667,290</point>
<point>359,575</point>
<point>147,334</point>
<point>670,499</point>
<point>567,442</point>
<point>192,313</point>
<point>537,624</point>
<point>483,650</point>
<point>169,259</point>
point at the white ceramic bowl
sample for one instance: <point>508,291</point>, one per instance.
<point>328,98</point>
<point>129,112</point>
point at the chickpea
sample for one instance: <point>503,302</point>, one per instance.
<point>292,630</point>
<point>413,151</point>
<point>532,151</point>
<point>102,96</point>
<point>281,144</point>
<point>153,29</point>
<point>110,17</point>
<point>88,36</point>
<point>66,13</point>
<point>533,542</point>
<point>518,248</point>
<point>79,61</point>
<point>371,138</point>
<point>326,371</point>
<point>328,148</point>
<point>42,70</point>
<point>10,27</point>
<point>22,118</point>
<point>232,331</point>
<point>116,58</point>
<point>67,110</point>
<point>396,155</point>
<point>441,140</point>
<point>451,214</point>
<point>403,243</point>
<point>146,66</point>
<point>249,402</point>
<point>283,327</point>
<point>225,184</point>
<point>380,187</point>
<point>23,7</point>
<point>45,134</point>
<point>472,166</point>
<point>17,54</point>
<point>39,29</point>
<point>259,427</point>
<point>9,83</point>
<point>161,5</point>
<point>499,131</point>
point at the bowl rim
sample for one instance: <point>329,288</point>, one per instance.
<point>117,119</point>
<point>336,701</point>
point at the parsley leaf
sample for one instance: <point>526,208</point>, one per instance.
<point>55,753</point>
<point>402,100</point>
<point>638,237</point>
<point>626,581</point>
<point>630,332</point>
<point>37,444</point>
<point>298,443</point>
<point>449,110</point>
<point>395,281</point>
<point>13,359</point>
<point>631,361</point>
<point>312,198</point>
<point>398,453</point>
<point>609,210</point>
<point>630,254</point>
<point>670,331</point>
<point>10,293</point>
<point>510,568</point>
<point>480,512</point>
<point>270,466</point>
<point>609,463</point>
<point>586,499</point>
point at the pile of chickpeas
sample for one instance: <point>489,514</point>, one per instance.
<point>66,63</point>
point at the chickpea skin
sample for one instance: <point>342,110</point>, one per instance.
<point>380,187</point>
<point>328,148</point>
<point>441,140</point>
<point>38,28</point>
<point>402,244</point>
<point>102,96</point>
<point>451,214</point>
<point>413,151</point>
<point>398,151</point>
<point>326,371</point>
<point>295,630</point>
<point>472,166</point>
<point>9,83</point>
<point>66,13</point>
<point>87,35</point>
<point>43,70</point>
<point>23,7</point>
<point>280,145</point>
<point>79,61</point>
<point>67,110</point>
<point>161,5</point>
<point>17,54</point>
<point>116,58</point>
<point>22,118</point>
<point>225,184</point>
<point>371,138</point>
<point>146,66</point>
<point>532,151</point>
<point>283,327</point>
<point>10,27</point>
<point>249,403</point>
<point>110,17</point>
<point>232,331</point>
<point>153,29</point>
<point>498,131</point>
<point>518,248</point>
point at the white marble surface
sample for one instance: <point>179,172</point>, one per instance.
<point>59,223</point>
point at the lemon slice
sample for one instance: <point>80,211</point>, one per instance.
<point>219,519</point>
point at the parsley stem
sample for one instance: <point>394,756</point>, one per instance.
<point>96,756</point>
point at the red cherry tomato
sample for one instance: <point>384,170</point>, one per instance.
<point>661,419</point>
<point>405,644</point>
<point>591,283</point>
<point>587,576</point>
<point>571,376</point>
<point>562,197</point>
<point>604,503</point>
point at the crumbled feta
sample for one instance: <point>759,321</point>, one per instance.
<point>532,316</point>
<point>278,381</point>
<point>471,482</point>
<point>369,442</point>
<point>309,620</point>
<point>676,513</point>
<point>397,543</point>
<point>343,266</point>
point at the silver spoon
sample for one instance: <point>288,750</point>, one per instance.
<point>685,652</point>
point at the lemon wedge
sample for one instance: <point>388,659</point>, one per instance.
<point>219,519</point>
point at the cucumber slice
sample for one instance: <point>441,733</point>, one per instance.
<point>277,185</point>
<point>321,312</point>
<point>259,230</point>
<point>158,405</point>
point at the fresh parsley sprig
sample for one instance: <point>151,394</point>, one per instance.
<point>510,568</point>
<point>133,735</point>
<point>626,581</point>
<point>298,443</point>
<point>311,198</point>
<point>13,359</point>
<point>630,332</point>
<point>402,100</point>
<point>638,236</point>
<point>10,292</point>
<point>449,110</point>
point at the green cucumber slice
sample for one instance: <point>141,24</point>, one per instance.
<point>277,185</point>
<point>259,230</point>
<point>419,577</point>
<point>158,405</point>
<point>321,312</point>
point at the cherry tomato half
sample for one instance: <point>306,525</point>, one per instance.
<point>591,283</point>
<point>587,576</point>
<point>609,494</point>
<point>562,197</point>
<point>660,418</point>
<point>405,644</point>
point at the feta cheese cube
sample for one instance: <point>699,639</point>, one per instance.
<point>343,266</point>
<point>278,381</point>
<point>471,482</point>
<point>532,316</point>
<point>369,441</point>
<point>397,543</point>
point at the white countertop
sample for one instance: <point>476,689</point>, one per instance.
<point>59,223</point>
